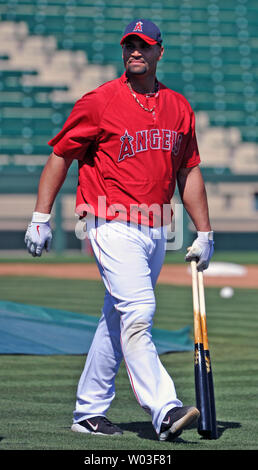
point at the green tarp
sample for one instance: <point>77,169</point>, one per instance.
<point>31,329</point>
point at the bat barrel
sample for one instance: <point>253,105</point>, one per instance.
<point>202,392</point>
<point>214,429</point>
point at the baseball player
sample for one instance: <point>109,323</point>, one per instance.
<point>134,139</point>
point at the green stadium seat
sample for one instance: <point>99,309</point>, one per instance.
<point>210,57</point>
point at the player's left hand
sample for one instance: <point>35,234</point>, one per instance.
<point>201,250</point>
<point>38,236</point>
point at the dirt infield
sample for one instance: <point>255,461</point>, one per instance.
<point>170,274</point>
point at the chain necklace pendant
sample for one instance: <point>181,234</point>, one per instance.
<point>138,101</point>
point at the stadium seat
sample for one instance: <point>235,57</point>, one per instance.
<point>210,57</point>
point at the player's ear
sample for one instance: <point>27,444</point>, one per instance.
<point>161,52</point>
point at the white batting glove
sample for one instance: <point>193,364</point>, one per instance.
<point>38,235</point>
<point>201,250</point>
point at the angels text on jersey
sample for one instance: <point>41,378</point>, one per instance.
<point>153,139</point>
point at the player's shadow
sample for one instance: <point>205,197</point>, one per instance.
<point>145,430</point>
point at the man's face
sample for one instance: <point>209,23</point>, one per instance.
<point>140,57</point>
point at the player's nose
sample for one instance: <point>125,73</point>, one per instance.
<point>136,52</point>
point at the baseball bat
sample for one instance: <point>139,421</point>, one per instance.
<point>214,430</point>
<point>200,370</point>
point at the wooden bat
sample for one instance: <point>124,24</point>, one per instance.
<point>204,390</point>
<point>214,431</point>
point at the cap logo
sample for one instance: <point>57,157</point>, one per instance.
<point>138,27</point>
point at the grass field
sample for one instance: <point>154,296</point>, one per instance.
<point>175,257</point>
<point>38,392</point>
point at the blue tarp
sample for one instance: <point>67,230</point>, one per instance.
<point>32,329</point>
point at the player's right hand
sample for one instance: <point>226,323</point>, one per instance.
<point>38,236</point>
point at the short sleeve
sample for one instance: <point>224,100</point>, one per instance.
<point>191,154</point>
<point>79,130</point>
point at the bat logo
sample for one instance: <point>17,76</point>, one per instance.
<point>208,364</point>
<point>196,356</point>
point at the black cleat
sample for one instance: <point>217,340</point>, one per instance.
<point>98,425</point>
<point>176,420</point>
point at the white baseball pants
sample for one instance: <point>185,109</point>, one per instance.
<point>129,260</point>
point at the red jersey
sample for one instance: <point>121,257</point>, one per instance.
<point>128,157</point>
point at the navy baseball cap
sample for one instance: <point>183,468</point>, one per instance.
<point>145,29</point>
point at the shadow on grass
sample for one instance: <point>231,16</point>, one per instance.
<point>225,425</point>
<point>145,430</point>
